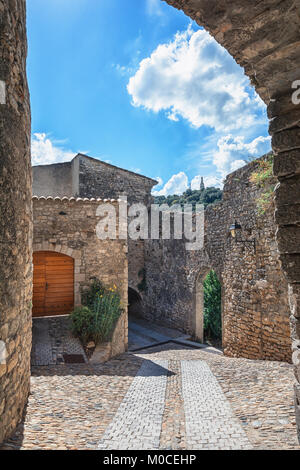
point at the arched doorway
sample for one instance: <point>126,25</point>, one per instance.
<point>208,307</point>
<point>199,305</point>
<point>53,284</point>
<point>135,306</point>
<point>212,302</point>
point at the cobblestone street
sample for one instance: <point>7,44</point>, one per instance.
<point>165,397</point>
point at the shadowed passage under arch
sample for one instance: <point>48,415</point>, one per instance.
<point>135,305</point>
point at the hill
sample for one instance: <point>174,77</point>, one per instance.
<point>205,196</point>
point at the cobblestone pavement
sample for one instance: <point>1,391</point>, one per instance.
<point>159,397</point>
<point>210,423</point>
<point>141,334</point>
<point>137,424</point>
<point>52,340</point>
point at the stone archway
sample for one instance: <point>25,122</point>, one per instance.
<point>263,37</point>
<point>199,305</point>
<point>53,284</point>
<point>72,253</point>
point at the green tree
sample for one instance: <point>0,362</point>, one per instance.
<point>212,306</point>
<point>206,197</point>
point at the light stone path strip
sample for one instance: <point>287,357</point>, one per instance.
<point>138,421</point>
<point>210,423</point>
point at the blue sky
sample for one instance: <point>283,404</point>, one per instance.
<point>137,84</point>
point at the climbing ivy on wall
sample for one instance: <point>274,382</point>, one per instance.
<point>212,307</point>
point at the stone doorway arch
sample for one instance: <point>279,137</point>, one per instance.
<point>53,284</point>
<point>199,303</point>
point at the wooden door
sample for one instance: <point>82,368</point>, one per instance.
<point>53,284</point>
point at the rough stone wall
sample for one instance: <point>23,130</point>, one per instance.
<point>171,274</point>
<point>88,177</point>
<point>284,128</point>
<point>98,179</point>
<point>15,216</point>
<point>69,226</point>
<point>263,37</point>
<point>255,304</point>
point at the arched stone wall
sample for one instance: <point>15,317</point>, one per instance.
<point>263,37</point>
<point>15,216</point>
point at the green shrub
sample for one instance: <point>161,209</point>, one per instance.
<point>264,173</point>
<point>264,179</point>
<point>212,307</point>
<point>96,319</point>
<point>82,319</point>
<point>89,295</point>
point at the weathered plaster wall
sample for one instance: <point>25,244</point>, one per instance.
<point>255,304</point>
<point>15,216</point>
<point>53,180</point>
<point>69,226</point>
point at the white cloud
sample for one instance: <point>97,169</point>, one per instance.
<point>193,77</point>
<point>234,152</point>
<point>154,7</point>
<point>45,152</point>
<point>159,180</point>
<point>177,184</point>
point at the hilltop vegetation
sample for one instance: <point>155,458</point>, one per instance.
<point>205,196</point>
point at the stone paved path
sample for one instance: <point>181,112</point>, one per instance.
<point>52,340</point>
<point>141,334</point>
<point>210,423</point>
<point>166,397</point>
<point>137,424</point>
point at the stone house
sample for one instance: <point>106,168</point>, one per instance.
<point>66,198</point>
